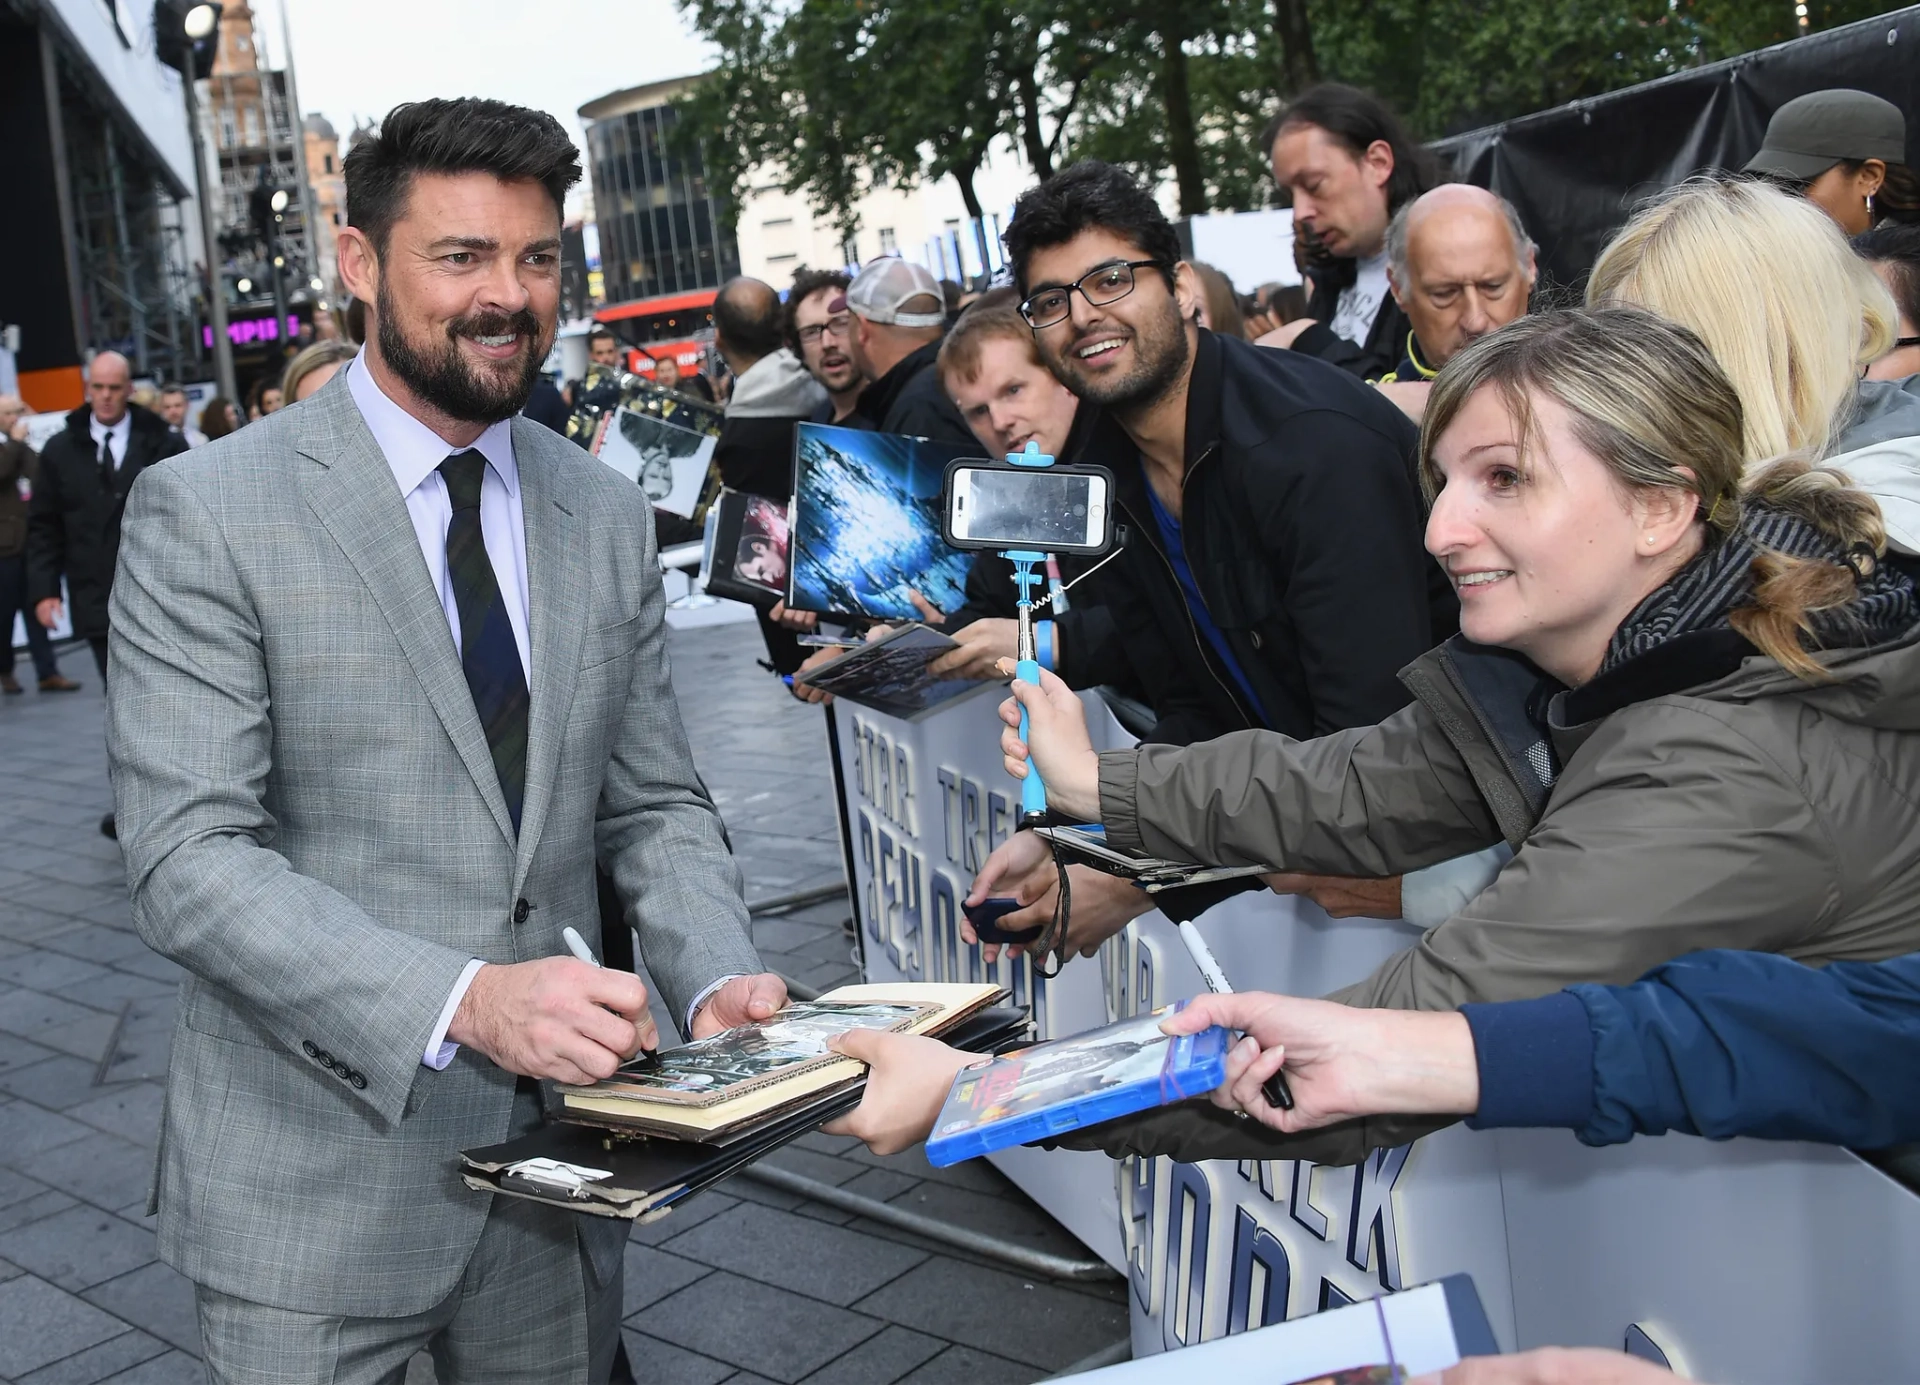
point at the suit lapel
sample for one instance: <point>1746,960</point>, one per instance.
<point>559,587</point>
<point>352,493</point>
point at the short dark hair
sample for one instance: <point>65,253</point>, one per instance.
<point>467,135</point>
<point>602,334</point>
<point>1898,248</point>
<point>1086,196</point>
<point>170,387</point>
<point>806,283</point>
<point>747,317</point>
<point>1355,119</point>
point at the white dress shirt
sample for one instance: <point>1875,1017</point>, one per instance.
<point>120,434</point>
<point>414,453</point>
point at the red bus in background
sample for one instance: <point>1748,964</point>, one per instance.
<point>676,323</point>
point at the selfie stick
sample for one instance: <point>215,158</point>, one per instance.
<point>1033,793</point>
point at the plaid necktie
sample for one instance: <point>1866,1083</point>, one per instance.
<point>488,653</point>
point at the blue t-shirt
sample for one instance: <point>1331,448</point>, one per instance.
<point>1177,555</point>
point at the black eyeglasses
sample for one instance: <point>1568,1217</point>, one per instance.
<point>841,325</point>
<point>1107,284</point>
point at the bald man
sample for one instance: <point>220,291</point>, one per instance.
<point>1459,264</point>
<point>73,525</point>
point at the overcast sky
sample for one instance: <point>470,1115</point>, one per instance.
<point>359,58</point>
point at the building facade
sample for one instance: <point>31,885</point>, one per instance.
<point>248,114</point>
<point>100,230</point>
<point>660,227</point>
<point>329,187</point>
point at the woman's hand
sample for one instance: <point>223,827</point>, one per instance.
<point>907,1081</point>
<point>1061,747</point>
<point>1341,1062</point>
<point>804,690</point>
<point>982,647</point>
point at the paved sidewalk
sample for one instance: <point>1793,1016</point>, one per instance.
<point>743,1284</point>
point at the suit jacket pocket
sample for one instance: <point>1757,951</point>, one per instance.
<point>610,642</point>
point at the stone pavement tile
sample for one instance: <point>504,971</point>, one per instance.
<point>142,1051</point>
<point>175,1368</point>
<point>989,1310</point>
<point>744,1189</point>
<point>652,1274</point>
<point>975,1174</point>
<point>25,924</point>
<point>9,1270</point>
<point>32,1209</point>
<point>158,1298</point>
<point>56,1083</point>
<point>55,1023</point>
<point>40,1324</point>
<point>101,942</point>
<point>151,964</point>
<point>790,1252</point>
<point>113,986</point>
<point>79,1248</point>
<point>819,1211</point>
<point>654,1360</point>
<point>1018,1221</point>
<point>757,1327</point>
<point>26,1130</point>
<point>130,1109</point>
<point>773,934</point>
<point>18,1053</point>
<point>821,1168</point>
<point>101,1169</point>
<point>100,1362</point>
<point>964,1366</point>
<point>825,1143</point>
<point>746,1378</point>
<point>880,1360</point>
<point>42,970</point>
<point>697,1209</point>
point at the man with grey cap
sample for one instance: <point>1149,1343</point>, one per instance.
<point>898,318</point>
<point>1838,147</point>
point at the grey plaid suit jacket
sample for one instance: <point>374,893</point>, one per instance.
<point>314,830</point>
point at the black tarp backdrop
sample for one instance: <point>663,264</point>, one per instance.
<point>1577,171</point>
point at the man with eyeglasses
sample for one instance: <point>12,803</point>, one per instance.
<point>1273,573</point>
<point>821,337</point>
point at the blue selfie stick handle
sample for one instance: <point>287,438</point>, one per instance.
<point>1033,793</point>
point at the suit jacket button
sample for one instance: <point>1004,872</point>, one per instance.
<point>520,910</point>
<point>323,1058</point>
<point>359,1082</point>
<point>342,1071</point>
<point>309,1048</point>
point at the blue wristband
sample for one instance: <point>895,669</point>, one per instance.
<point>1043,643</point>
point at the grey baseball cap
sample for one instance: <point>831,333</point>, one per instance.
<point>1812,133</point>
<point>883,288</point>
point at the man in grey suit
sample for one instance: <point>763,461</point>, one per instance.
<point>389,675</point>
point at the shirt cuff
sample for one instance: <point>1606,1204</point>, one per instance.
<point>706,995</point>
<point>439,1052</point>
<point>1536,1062</point>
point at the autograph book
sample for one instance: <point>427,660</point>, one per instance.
<point>725,1086</point>
<point>890,674</point>
<point>609,1173</point>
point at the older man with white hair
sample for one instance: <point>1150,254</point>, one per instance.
<point>73,524</point>
<point>1459,264</point>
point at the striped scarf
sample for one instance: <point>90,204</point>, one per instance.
<point>1703,594</point>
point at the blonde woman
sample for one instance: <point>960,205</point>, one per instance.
<point>313,367</point>
<point>1793,316</point>
<point>1687,702</point>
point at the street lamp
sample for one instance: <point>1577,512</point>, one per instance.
<point>186,38</point>
<point>244,285</point>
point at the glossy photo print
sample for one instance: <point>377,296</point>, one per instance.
<point>866,524</point>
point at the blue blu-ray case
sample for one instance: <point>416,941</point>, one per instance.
<point>1066,1084</point>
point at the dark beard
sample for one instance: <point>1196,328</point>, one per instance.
<point>442,379</point>
<point>1162,354</point>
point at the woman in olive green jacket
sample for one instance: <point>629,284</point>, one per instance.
<point>1691,707</point>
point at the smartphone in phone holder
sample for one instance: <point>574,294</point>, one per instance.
<point>1023,509</point>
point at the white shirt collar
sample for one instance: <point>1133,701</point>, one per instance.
<point>118,432</point>
<point>413,450</point>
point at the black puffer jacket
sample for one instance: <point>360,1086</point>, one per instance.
<point>73,529</point>
<point>909,399</point>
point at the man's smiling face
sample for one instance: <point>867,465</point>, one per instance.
<point>1120,354</point>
